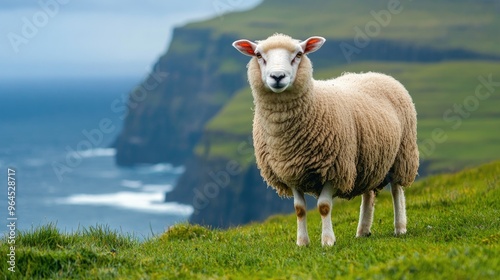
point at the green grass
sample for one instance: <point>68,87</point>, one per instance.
<point>45,252</point>
<point>453,232</point>
<point>440,24</point>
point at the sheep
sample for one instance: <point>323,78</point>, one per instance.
<point>343,137</point>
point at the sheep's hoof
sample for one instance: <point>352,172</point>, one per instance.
<point>303,241</point>
<point>399,232</point>
<point>327,241</point>
<point>366,234</point>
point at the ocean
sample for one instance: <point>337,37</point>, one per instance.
<point>57,136</point>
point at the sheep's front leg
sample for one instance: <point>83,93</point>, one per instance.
<point>299,203</point>
<point>325,202</point>
<point>398,200</point>
<point>366,214</point>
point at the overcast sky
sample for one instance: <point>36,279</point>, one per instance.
<point>50,38</point>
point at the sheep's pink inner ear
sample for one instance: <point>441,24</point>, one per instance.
<point>312,44</point>
<point>246,47</point>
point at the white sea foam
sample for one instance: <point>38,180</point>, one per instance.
<point>150,202</point>
<point>157,188</point>
<point>160,168</point>
<point>97,152</point>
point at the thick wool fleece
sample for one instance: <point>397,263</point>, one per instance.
<point>357,131</point>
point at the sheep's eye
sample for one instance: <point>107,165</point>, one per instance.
<point>258,55</point>
<point>297,56</point>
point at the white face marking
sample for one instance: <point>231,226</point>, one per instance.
<point>278,67</point>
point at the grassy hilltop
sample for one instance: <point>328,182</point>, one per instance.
<point>453,223</point>
<point>445,24</point>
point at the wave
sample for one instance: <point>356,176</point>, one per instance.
<point>160,168</point>
<point>97,152</point>
<point>157,188</point>
<point>149,202</point>
<point>137,184</point>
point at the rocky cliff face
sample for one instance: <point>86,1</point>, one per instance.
<point>224,194</point>
<point>187,86</point>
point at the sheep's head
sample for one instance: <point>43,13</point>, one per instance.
<point>279,57</point>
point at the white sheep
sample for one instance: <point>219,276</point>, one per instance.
<point>342,137</point>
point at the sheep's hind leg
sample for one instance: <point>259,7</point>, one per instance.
<point>325,201</point>
<point>366,214</point>
<point>300,209</point>
<point>398,200</point>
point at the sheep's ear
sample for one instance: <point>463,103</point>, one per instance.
<point>312,44</point>
<point>245,47</point>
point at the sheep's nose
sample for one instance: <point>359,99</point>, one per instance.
<point>278,76</point>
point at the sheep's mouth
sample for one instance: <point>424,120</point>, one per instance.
<point>278,87</point>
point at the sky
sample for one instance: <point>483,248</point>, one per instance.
<point>74,38</point>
